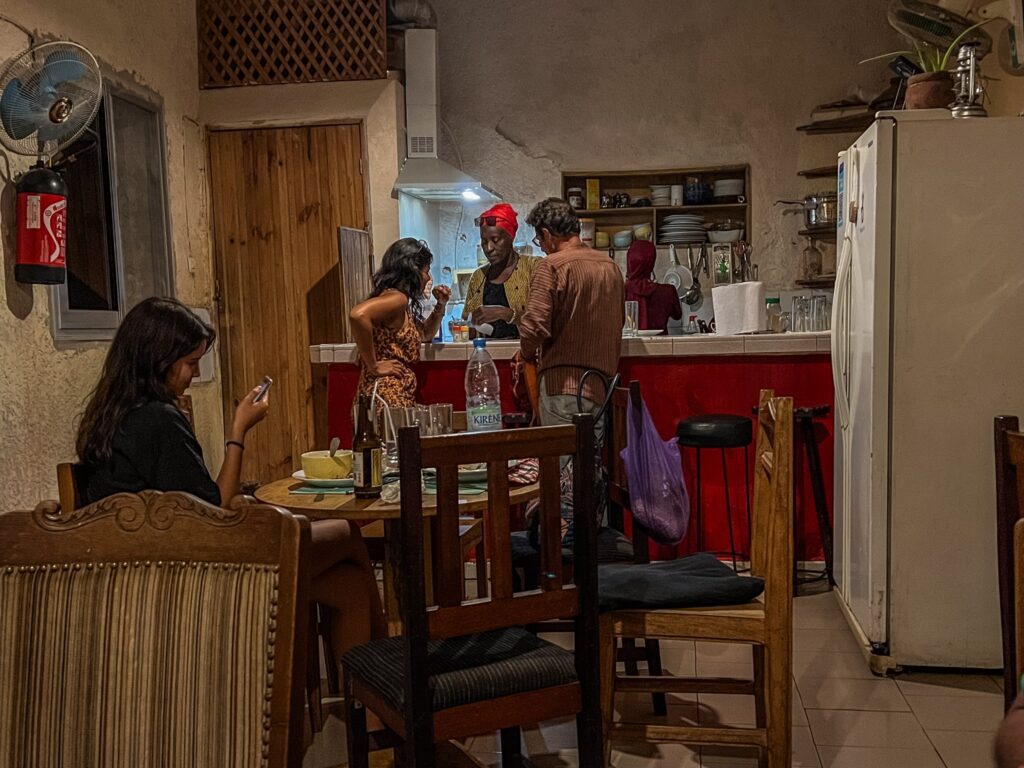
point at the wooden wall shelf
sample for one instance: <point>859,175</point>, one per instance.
<point>825,281</point>
<point>824,172</point>
<point>819,234</point>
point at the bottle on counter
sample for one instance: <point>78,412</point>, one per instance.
<point>483,390</point>
<point>691,327</point>
<point>773,306</point>
<point>367,454</point>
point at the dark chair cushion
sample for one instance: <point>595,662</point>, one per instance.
<point>715,431</point>
<point>612,547</point>
<point>696,581</point>
<point>466,669</point>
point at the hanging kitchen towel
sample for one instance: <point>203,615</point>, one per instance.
<point>739,308</point>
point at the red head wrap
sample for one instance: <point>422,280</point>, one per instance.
<point>506,217</point>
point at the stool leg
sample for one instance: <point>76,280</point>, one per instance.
<point>653,652</point>
<point>746,487</point>
<point>728,511</point>
<point>700,509</point>
<point>820,502</point>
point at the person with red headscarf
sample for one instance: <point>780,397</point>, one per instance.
<point>498,290</point>
<point>656,303</point>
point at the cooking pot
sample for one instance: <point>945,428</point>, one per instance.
<point>819,210</point>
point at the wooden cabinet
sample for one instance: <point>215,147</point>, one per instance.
<point>637,184</point>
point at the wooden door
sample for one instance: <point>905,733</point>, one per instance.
<point>279,197</point>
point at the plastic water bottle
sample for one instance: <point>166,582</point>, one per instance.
<point>483,396</point>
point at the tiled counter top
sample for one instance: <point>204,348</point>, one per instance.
<point>657,346</point>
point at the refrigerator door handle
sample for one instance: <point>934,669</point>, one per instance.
<point>840,329</point>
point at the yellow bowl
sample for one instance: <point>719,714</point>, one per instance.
<point>319,465</point>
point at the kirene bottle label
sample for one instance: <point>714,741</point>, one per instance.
<point>483,418</point>
<point>366,468</point>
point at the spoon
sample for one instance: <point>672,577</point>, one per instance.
<point>335,442</point>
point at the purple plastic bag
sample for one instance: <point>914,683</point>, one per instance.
<point>657,491</point>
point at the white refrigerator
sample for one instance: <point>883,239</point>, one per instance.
<point>927,347</point>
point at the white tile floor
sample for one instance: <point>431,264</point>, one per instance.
<point>843,716</point>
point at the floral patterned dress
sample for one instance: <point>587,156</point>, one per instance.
<point>403,346</point>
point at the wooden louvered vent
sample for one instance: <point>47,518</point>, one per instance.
<point>266,42</point>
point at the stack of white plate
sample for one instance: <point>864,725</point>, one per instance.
<point>661,194</point>
<point>682,229</point>
<point>728,188</point>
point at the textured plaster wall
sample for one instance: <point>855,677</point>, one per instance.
<point>42,384</point>
<point>535,87</point>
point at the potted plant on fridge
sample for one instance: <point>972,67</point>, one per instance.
<point>933,87</point>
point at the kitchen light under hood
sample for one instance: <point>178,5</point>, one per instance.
<point>423,174</point>
<point>430,178</point>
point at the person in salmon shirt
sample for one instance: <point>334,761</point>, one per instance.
<point>656,303</point>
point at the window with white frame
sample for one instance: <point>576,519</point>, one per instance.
<point>118,232</point>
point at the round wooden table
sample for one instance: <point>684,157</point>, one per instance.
<point>382,518</point>
<point>338,506</point>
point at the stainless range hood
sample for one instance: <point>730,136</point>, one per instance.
<point>423,175</point>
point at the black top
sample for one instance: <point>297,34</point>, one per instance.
<point>495,296</point>
<point>155,449</point>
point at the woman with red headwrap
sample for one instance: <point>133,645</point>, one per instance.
<point>656,303</point>
<point>497,291</point>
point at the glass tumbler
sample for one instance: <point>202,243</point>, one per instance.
<point>819,319</point>
<point>441,419</point>
<point>631,328</point>
<point>799,315</point>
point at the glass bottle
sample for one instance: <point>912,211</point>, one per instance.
<point>773,306</point>
<point>810,261</point>
<point>366,454</point>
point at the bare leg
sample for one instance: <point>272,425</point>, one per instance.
<point>343,579</point>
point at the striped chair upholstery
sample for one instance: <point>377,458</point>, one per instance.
<point>150,630</point>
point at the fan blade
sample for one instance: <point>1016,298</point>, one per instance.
<point>20,112</point>
<point>60,67</point>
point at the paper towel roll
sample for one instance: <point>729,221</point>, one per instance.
<point>739,308</point>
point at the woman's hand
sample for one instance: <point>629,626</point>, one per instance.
<point>491,314</point>
<point>385,368</point>
<point>442,293</point>
<point>248,414</point>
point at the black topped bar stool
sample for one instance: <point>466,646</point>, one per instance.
<point>719,431</point>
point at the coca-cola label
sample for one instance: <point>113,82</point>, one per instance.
<point>43,239</point>
<point>54,221</point>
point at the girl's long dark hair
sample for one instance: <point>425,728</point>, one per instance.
<point>155,334</point>
<point>401,269</point>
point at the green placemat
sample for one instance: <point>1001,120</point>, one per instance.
<point>308,489</point>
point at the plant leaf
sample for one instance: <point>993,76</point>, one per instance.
<point>961,36</point>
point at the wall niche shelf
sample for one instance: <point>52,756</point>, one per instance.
<point>637,184</point>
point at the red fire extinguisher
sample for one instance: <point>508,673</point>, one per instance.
<point>42,233</point>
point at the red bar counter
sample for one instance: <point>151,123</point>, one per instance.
<point>679,377</point>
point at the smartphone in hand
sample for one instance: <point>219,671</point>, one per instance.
<point>265,383</point>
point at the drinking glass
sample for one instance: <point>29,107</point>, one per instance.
<point>818,320</point>
<point>631,327</point>
<point>441,419</point>
<point>799,314</point>
<point>419,416</point>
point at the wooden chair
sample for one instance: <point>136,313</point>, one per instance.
<point>766,626</point>
<point>152,629</point>
<point>1009,444</point>
<point>468,667</point>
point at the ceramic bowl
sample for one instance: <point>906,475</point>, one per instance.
<point>724,235</point>
<point>622,239</point>
<point>320,465</point>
